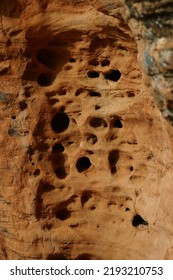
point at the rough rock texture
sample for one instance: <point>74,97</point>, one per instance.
<point>86,156</point>
<point>156,17</point>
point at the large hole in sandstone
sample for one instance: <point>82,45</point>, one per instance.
<point>138,220</point>
<point>113,75</point>
<point>60,122</point>
<point>83,164</point>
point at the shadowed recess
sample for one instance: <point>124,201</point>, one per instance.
<point>91,138</point>
<point>138,220</point>
<point>60,122</point>
<point>94,94</point>
<point>93,74</point>
<point>113,158</point>
<point>83,164</point>
<point>113,75</point>
<point>45,79</point>
<point>98,123</point>
<point>63,214</point>
<point>48,57</point>
<point>58,147</point>
<point>85,197</point>
<point>56,256</point>
<point>117,123</point>
<point>10,8</point>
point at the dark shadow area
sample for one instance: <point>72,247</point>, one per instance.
<point>113,75</point>
<point>10,8</point>
<point>63,214</point>
<point>93,74</point>
<point>113,159</point>
<point>116,122</point>
<point>98,123</point>
<point>60,122</point>
<point>58,147</point>
<point>138,220</point>
<point>56,256</point>
<point>43,187</point>
<point>91,138</point>
<point>85,197</point>
<point>53,59</point>
<point>83,164</point>
<point>95,94</point>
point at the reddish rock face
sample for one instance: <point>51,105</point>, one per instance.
<point>86,156</point>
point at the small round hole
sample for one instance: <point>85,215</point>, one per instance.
<point>113,75</point>
<point>58,148</point>
<point>130,94</point>
<point>138,220</point>
<point>94,62</point>
<point>93,74</point>
<point>105,62</point>
<point>83,164</point>
<point>98,123</point>
<point>97,107</point>
<point>72,60</point>
<point>117,123</point>
<point>36,172</point>
<point>60,122</point>
<point>23,105</point>
<point>63,214</point>
<point>131,168</point>
<point>91,138</point>
<point>94,94</point>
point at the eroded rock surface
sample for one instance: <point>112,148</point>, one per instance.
<point>86,156</point>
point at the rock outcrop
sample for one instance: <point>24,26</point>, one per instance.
<point>86,155</point>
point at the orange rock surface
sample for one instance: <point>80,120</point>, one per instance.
<point>86,155</point>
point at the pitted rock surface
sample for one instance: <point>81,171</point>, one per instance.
<point>86,156</point>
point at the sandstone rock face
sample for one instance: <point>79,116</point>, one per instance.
<point>86,156</point>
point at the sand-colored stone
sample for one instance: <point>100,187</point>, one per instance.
<point>86,155</point>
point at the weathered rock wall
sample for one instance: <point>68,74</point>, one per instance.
<point>86,157</point>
